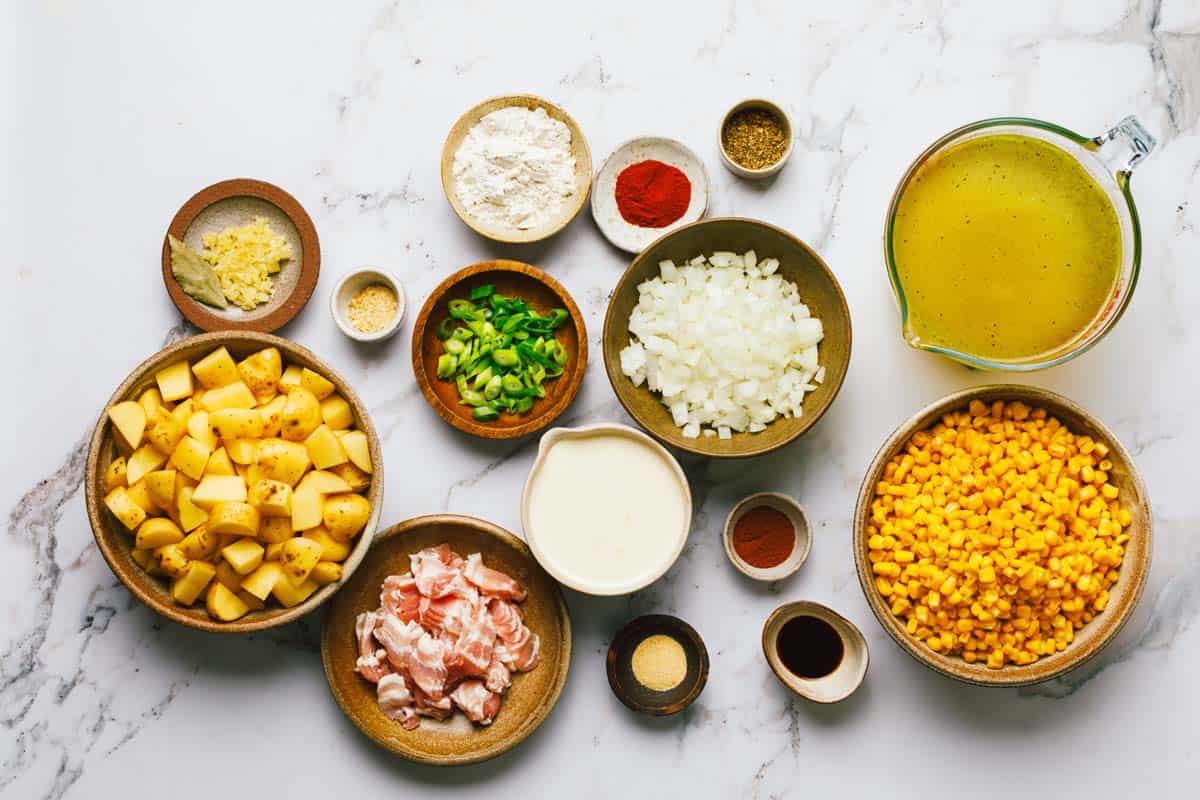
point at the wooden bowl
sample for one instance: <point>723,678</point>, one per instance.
<point>643,699</point>
<point>237,202</point>
<point>116,544</point>
<point>532,695</point>
<point>514,279</point>
<point>819,290</point>
<point>1089,639</point>
<point>579,149</point>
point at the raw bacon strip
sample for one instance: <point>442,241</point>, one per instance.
<point>371,662</point>
<point>400,597</point>
<point>426,706</point>
<point>427,668</point>
<point>449,613</point>
<point>491,582</point>
<point>506,619</point>
<point>476,701</point>
<point>498,677</point>
<point>399,640</point>
<point>396,701</point>
<point>473,650</point>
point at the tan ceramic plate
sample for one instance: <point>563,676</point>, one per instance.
<point>819,290</point>
<point>237,202</point>
<point>116,543</point>
<point>1089,639</point>
<point>532,695</point>
<point>579,148</point>
<point>514,279</point>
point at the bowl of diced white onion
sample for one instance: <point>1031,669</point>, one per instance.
<point>727,338</point>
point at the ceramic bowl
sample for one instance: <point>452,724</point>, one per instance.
<point>532,535</point>
<point>352,284</point>
<point>116,543</point>
<point>634,238</point>
<point>238,202</point>
<point>1089,639</point>
<point>765,172</point>
<point>630,691</point>
<point>514,279</point>
<point>570,207</point>
<point>795,514</point>
<point>527,702</point>
<point>837,685</point>
<point>819,290</point>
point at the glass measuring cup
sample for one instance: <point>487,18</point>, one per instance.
<point>1110,160</point>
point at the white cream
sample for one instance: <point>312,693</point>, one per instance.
<point>606,512</point>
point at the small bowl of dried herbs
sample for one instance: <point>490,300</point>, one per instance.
<point>755,139</point>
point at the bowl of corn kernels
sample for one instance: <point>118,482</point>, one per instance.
<point>1002,535</point>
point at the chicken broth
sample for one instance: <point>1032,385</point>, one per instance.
<point>1006,248</point>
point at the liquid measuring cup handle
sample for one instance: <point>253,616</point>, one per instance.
<point>1132,143</point>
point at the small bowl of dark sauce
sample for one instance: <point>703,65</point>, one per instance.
<point>815,651</point>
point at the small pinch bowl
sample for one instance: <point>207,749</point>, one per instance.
<point>1123,597</point>
<point>837,685</point>
<point>543,293</point>
<point>630,691</point>
<point>116,544</point>
<point>350,285</point>
<point>798,263</point>
<point>800,549</point>
<point>764,172</point>
<point>579,149</point>
<point>526,704</point>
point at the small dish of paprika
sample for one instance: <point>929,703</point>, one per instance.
<point>767,536</point>
<point>646,188</point>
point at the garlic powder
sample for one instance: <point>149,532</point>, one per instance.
<point>515,169</point>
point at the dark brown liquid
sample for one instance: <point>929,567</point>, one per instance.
<point>809,647</point>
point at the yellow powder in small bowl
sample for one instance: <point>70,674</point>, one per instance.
<point>659,663</point>
<point>372,308</point>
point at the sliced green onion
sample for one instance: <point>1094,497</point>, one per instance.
<point>485,413</point>
<point>480,292</point>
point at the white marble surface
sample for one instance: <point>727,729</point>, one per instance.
<point>117,112</point>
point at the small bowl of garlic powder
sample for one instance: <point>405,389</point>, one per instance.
<point>368,305</point>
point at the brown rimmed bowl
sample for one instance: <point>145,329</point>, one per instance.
<point>237,202</point>
<point>514,279</point>
<point>1092,637</point>
<point>798,263</point>
<point>579,149</point>
<point>642,699</point>
<point>116,544</point>
<point>526,704</point>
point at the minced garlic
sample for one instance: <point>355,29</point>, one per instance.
<point>244,260</point>
<point>372,308</point>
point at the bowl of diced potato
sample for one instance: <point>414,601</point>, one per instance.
<point>234,481</point>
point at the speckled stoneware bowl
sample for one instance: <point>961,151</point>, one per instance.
<point>800,546</point>
<point>798,263</point>
<point>116,543</point>
<point>850,671</point>
<point>1089,639</point>
<point>527,702</point>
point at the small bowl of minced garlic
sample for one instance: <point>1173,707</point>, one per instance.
<point>368,305</point>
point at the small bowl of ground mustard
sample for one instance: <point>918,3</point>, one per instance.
<point>368,305</point>
<point>767,536</point>
<point>755,139</point>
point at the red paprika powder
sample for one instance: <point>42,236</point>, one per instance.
<point>651,194</point>
<point>763,537</point>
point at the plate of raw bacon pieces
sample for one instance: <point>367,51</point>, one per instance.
<point>449,644</point>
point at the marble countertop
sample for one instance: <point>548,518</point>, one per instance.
<point>119,112</point>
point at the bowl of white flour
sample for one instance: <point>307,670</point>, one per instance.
<point>516,168</point>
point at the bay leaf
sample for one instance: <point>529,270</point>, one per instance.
<point>195,275</point>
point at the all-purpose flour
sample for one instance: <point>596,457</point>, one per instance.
<point>515,168</point>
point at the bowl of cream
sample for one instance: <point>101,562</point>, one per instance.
<point>606,509</point>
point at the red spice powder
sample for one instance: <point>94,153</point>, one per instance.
<point>651,194</point>
<point>763,537</point>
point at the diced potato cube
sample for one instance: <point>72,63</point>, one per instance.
<point>124,509</point>
<point>345,515</point>
<point>198,429</point>
<point>182,413</point>
<point>188,587</point>
<point>219,463</point>
<point>252,602</point>
<point>323,482</point>
<point>199,544</point>
<point>161,486</point>
<point>191,457</point>
<point>129,423</point>
<point>236,423</point>
<point>190,515</point>
<point>289,594</point>
<point>274,551</point>
<point>145,559</point>
<point>227,576</point>
<point>324,449</point>
<point>242,451</point>
<point>290,379</point>
<point>262,580</point>
<point>171,559</point>
<point>275,529</point>
<point>150,400</point>
<point>326,572</point>
<point>298,558</point>
<point>315,382</point>
<point>261,372</point>
<point>157,532</point>
<point>358,449</point>
<point>272,416</point>
<point>307,509</point>
<point>301,415</point>
<point>215,489</point>
<point>235,395</point>
<point>336,412</point>
<point>163,431</point>
<point>272,498</point>
<point>143,461</point>
<point>234,519</point>
<point>224,604</point>
<point>114,476</point>
<point>331,549</point>
<point>244,556</point>
<point>281,460</point>
<point>174,382</point>
<point>356,479</point>
<point>139,494</point>
<point>216,369</point>
<point>251,474</point>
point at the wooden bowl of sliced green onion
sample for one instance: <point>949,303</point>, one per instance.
<point>499,349</point>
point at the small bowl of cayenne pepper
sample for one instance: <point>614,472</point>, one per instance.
<point>646,188</point>
<point>767,536</point>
